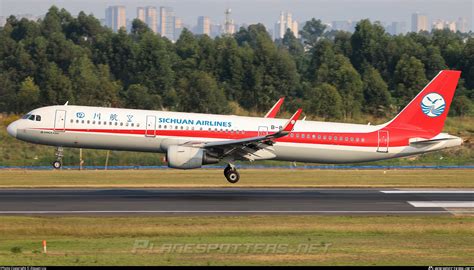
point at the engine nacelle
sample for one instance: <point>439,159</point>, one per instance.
<point>184,157</point>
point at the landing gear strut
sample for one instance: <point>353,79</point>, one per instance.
<point>59,158</point>
<point>231,174</point>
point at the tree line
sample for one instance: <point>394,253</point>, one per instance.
<point>331,74</point>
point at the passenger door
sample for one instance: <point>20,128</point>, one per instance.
<point>383,141</point>
<point>60,120</point>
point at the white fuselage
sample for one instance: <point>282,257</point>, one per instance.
<point>155,131</point>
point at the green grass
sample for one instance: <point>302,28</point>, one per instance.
<point>351,240</point>
<point>249,178</point>
<point>17,153</point>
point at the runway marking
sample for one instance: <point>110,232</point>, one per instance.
<point>448,204</point>
<point>223,212</point>
<point>427,191</point>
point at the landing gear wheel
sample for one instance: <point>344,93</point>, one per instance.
<point>59,157</point>
<point>231,174</point>
<point>57,164</point>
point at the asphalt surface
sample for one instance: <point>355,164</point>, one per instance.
<point>233,201</point>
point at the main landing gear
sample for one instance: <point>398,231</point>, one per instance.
<point>57,164</point>
<point>231,174</point>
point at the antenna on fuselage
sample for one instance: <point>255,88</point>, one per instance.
<point>65,104</point>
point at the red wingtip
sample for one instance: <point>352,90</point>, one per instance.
<point>292,122</point>
<point>275,109</point>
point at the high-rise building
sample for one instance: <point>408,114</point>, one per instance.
<point>115,17</point>
<point>285,22</point>
<point>461,25</point>
<point>442,24</point>
<point>167,23</point>
<point>204,26</point>
<point>178,27</point>
<point>396,28</point>
<point>141,14</point>
<point>151,17</point>
<point>419,22</point>
<point>229,26</point>
<point>148,15</point>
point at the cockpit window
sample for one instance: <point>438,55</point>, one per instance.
<point>25,116</point>
<point>32,117</point>
<point>38,118</point>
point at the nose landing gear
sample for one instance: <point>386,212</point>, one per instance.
<point>231,174</point>
<point>57,164</point>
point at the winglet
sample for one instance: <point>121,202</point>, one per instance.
<point>292,122</point>
<point>274,110</point>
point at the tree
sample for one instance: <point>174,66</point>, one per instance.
<point>28,95</point>
<point>409,78</point>
<point>138,97</point>
<point>200,93</point>
<point>376,94</point>
<point>368,44</point>
<point>461,106</point>
<point>57,87</point>
<point>312,31</point>
<point>325,101</point>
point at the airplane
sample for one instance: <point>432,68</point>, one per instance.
<point>191,140</point>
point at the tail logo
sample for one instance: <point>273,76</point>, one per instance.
<point>433,104</point>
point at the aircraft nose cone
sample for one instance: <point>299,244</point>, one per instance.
<point>12,128</point>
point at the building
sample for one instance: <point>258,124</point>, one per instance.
<point>348,26</point>
<point>141,14</point>
<point>115,17</point>
<point>285,22</point>
<point>203,26</point>
<point>461,25</point>
<point>178,27</point>
<point>419,22</point>
<point>149,15</point>
<point>167,23</point>
<point>396,28</point>
<point>441,24</point>
<point>151,18</point>
<point>229,26</point>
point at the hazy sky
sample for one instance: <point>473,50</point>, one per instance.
<point>265,11</point>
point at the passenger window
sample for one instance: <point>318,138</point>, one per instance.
<point>88,121</point>
<point>302,136</point>
<point>72,121</point>
<point>82,121</point>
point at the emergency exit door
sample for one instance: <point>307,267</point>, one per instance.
<point>150,126</point>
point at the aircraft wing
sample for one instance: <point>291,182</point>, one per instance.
<point>249,148</point>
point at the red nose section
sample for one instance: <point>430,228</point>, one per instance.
<point>428,110</point>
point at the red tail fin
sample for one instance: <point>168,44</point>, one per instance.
<point>428,110</point>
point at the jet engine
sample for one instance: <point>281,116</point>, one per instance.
<point>185,157</point>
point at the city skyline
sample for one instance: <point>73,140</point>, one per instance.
<point>250,11</point>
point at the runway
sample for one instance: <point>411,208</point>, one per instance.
<point>234,201</point>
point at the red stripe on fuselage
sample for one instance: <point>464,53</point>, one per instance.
<point>370,139</point>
